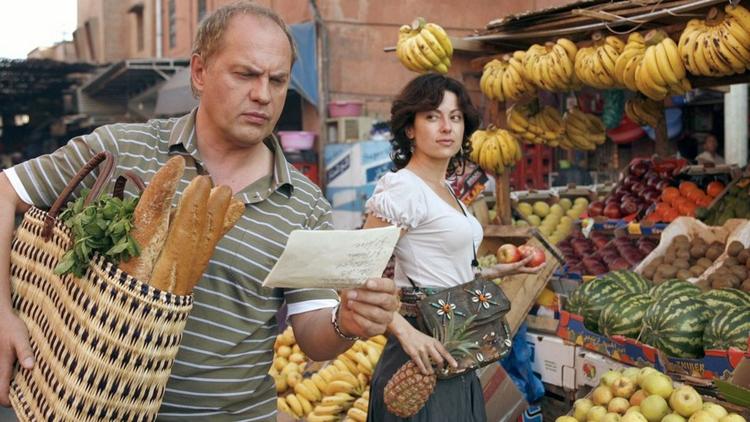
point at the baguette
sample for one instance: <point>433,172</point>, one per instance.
<point>218,202</point>
<point>235,210</point>
<point>151,218</point>
<point>187,233</point>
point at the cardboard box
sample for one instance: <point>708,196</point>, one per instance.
<point>591,366</point>
<point>737,389</point>
<point>356,164</point>
<point>553,359</point>
<point>503,401</point>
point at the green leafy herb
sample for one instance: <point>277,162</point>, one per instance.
<point>102,227</point>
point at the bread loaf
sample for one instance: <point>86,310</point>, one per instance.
<point>187,233</point>
<point>151,218</point>
<point>218,202</point>
<point>234,212</point>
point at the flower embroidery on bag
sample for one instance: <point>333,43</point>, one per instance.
<point>445,308</point>
<point>481,298</point>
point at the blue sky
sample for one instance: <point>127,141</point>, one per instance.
<point>27,24</point>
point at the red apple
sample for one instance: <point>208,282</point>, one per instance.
<point>537,254</point>
<point>612,211</point>
<point>508,253</point>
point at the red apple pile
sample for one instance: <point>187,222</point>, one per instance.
<point>640,187</point>
<point>600,254</point>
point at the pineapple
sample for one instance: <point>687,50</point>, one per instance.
<point>408,389</point>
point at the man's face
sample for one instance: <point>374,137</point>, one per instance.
<point>243,85</point>
<point>711,143</point>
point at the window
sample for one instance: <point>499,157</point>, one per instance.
<point>201,10</point>
<point>172,24</point>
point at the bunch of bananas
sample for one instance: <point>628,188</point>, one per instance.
<point>719,45</point>
<point>595,65</point>
<point>627,62</point>
<point>505,79</point>
<point>661,72</point>
<point>583,131</point>
<point>644,111</point>
<point>424,47</point>
<point>550,66</point>
<point>494,149</point>
<point>543,127</point>
<point>333,390</point>
<point>358,412</point>
<point>288,362</point>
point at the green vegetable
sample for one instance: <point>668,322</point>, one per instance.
<point>102,227</point>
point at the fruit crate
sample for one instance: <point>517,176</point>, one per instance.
<point>716,364</point>
<point>521,289</point>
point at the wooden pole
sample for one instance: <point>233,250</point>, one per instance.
<point>502,182</point>
<point>662,139</point>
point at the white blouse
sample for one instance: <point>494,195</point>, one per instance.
<point>438,245</point>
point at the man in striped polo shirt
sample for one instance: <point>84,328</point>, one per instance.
<point>240,67</point>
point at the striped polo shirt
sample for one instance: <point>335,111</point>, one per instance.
<point>220,372</point>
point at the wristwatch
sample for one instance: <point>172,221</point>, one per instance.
<point>335,323</point>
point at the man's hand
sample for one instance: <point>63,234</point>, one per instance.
<point>366,311</point>
<point>14,342</point>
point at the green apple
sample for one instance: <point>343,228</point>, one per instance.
<point>610,377</point>
<point>596,414</point>
<point>703,416</point>
<point>686,401</point>
<point>534,220</point>
<point>556,209</point>
<point>715,409</point>
<point>654,408</point>
<point>618,405</point>
<point>602,395</point>
<point>658,384</point>
<point>566,419</point>
<point>633,416</point>
<point>732,417</point>
<point>634,409</point>
<point>673,417</point>
<point>581,201</point>
<point>623,387</point>
<point>643,372</point>
<point>631,373</point>
<point>566,203</point>
<point>611,417</point>
<point>525,209</point>
<point>581,407</point>
<point>637,398</point>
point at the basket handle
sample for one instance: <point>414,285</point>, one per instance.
<point>119,189</point>
<point>109,165</point>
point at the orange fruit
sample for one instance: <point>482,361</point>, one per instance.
<point>714,189</point>
<point>687,208</point>
<point>686,187</point>
<point>670,215</point>
<point>669,194</point>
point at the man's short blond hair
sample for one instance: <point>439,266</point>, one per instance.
<point>211,29</point>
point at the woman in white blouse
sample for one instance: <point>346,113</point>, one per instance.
<point>431,120</point>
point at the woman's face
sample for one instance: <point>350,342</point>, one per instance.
<point>437,134</point>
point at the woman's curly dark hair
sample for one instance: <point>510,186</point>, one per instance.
<point>425,93</point>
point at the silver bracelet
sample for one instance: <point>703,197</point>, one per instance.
<point>335,323</point>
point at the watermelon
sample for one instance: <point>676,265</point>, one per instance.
<point>721,299</point>
<point>674,287</point>
<point>595,295</point>
<point>728,328</point>
<point>630,281</point>
<point>675,325</point>
<point>625,317</point>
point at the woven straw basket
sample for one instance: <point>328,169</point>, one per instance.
<point>104,343</point>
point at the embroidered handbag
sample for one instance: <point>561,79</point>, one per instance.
<point>470,318</point>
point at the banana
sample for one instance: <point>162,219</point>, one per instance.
<point>719,63</point>
<point>361,404</point>
<point>433,43</point>
<point>358,415</point>
<point>319,382</point>
<point>701,56</point>
<point>282,405</point>
<point>312,390</point>
<point>328,409</point>
<point>664,66</point>
<point>345,364</point>
<point>652,67</point>
<point>570,48</point>
<point>741,14</point>
<point>338,399</point>
<point>733,43</point>
<point>339,386</point>
<point>314,417</point>
<point>442,37</point>
<point>427,51</point>
<point>738,32</point>
<point>497,90</point>
<point>673,57</point>
<point>607,55</point>
<point>417,56</point>
<point>294,405</point>
<point>615,43</point>
<point>725,53</point>
<point>306,405</point>
<point>648,86</point>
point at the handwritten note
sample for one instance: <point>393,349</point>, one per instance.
<point>333,258</point>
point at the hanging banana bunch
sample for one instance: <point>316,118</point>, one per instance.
<point>504,79</point>
<point>583,131</point>
<point>644,111</point>
<point>718,45</point>
<point>424,47</point>
<point>494,149</point>
<point>551,66</point>
<point>627,62</point>
<point>595,65</point>
<point>535,125</point>
<point>661,72</point>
